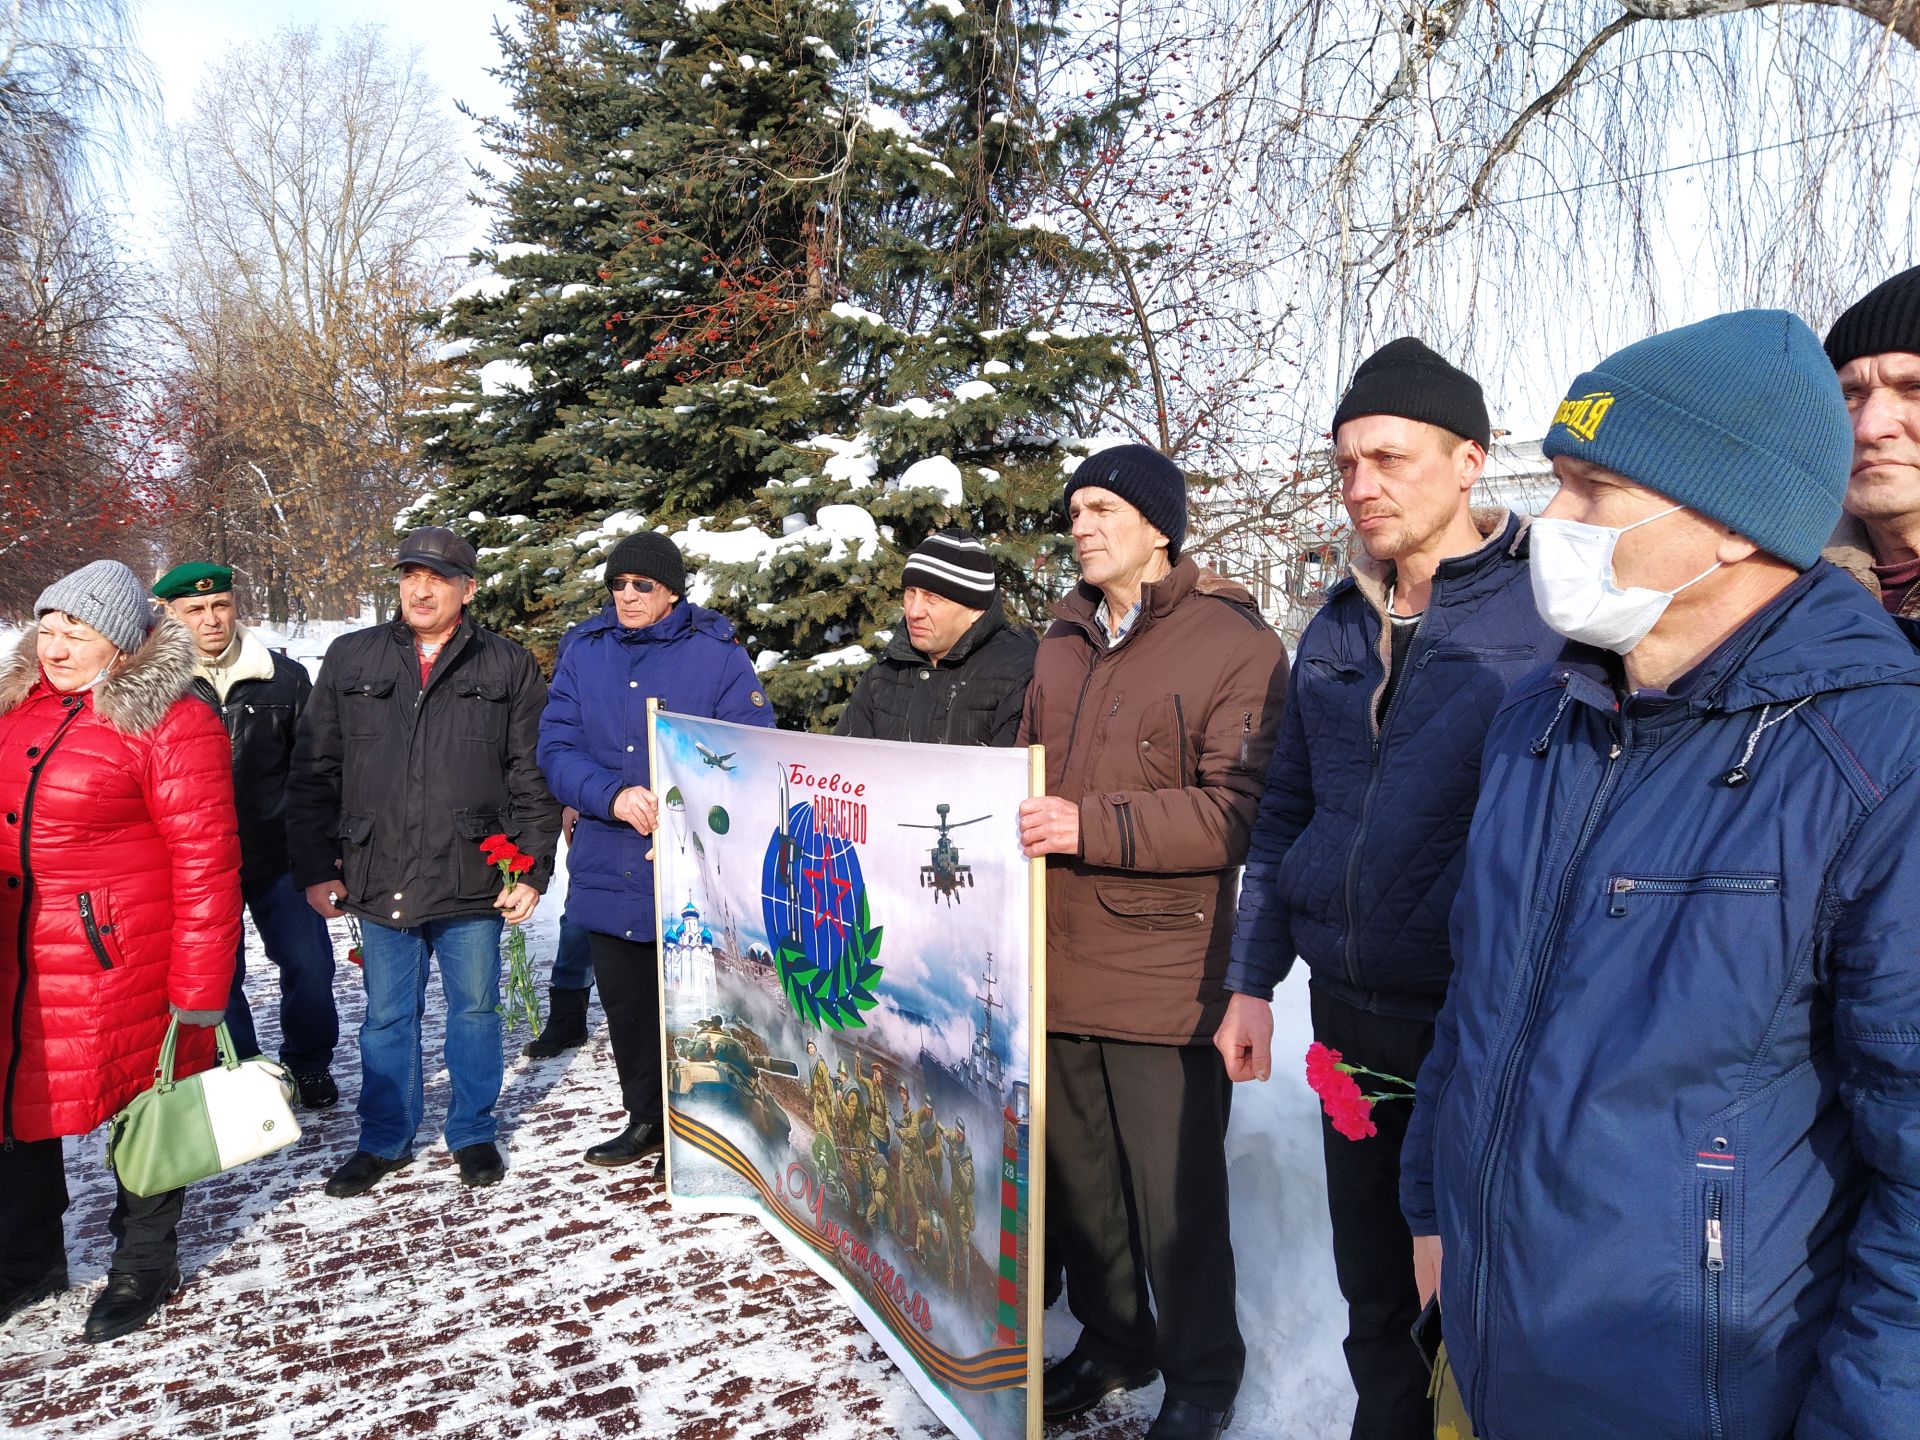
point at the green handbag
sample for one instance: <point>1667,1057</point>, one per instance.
<point>178,1131</point>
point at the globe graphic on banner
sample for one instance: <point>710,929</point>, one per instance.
<point>813,900</point>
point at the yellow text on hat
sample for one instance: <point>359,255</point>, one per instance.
<point>1583,414</point>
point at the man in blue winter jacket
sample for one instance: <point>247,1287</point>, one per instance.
<point>1358,846</point>
<point>1668,1139</point>
<point>648,642</point>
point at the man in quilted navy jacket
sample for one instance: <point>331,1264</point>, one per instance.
<point>1668,1139</point>
<point>1357,850</point>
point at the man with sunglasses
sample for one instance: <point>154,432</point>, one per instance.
<point>647,641</point>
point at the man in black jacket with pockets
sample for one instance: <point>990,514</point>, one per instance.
<point>419,744</point>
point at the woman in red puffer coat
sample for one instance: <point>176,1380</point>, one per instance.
<point>119,905</point>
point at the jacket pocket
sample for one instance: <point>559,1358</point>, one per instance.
<point>482,712</point>
<point>93,919</point>
<point>363,706</point>
<point>1143,905</point>
<point>356,855</point>
<point>1623,890</point>
<point>1159,745</point>
<point>472,872</point>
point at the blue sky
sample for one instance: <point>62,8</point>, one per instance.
<point>179,37</point>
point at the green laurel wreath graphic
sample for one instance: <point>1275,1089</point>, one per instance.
<point>837,995</point>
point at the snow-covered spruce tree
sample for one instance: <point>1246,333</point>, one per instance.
<point>666,200</point>
<point>957,337</point>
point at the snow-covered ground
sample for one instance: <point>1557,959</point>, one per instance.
<point>575,1302</point>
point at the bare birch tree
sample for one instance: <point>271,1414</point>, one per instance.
<point>317,185</point>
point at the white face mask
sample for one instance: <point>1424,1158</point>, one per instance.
<point>1574,589</point>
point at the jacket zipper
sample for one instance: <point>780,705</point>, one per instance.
<point>26,909</point>
<point>1378,728</point>
<point>1716,1264</point>
<point>1510,1070</point>
<point>1621,886</point>
<point>1180,720</point>
<point>94,931</point>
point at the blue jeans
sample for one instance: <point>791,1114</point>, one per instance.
<point>573,959</point>
<point>392,1099</point>
<point>296,940</point>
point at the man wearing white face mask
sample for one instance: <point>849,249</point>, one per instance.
<point>1668,1139</point>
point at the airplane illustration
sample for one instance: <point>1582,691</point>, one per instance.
<point>718,762</point>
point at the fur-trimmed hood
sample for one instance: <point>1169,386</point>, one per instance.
<point>133,700</point>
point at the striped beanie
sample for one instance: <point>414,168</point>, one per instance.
<point>955,565</point>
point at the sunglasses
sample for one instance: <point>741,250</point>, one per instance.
<point>631,582</point>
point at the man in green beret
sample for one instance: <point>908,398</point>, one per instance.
<point>260,695</point>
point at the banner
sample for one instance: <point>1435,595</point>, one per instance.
<point>850,975</point>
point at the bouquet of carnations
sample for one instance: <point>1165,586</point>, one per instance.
<point>520,999</point>
<point>1348,1107</point>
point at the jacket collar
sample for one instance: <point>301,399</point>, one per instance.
<point>992,620</point>
<point>1156,600</point>
<point>246,658</point>
<point>1503,539</point>
<point>132,701</point>
<point>683,619</point>
<point>1819,635</point>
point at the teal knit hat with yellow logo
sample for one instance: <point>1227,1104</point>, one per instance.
<point>1738,417</point>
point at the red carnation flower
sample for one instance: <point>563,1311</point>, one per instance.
<point>520,864</point>
<point>1349,1109</point>
<point>496,848</point>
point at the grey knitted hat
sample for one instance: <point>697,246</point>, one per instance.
<point>106,595</point>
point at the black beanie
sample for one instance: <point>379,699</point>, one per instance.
<point>1146,480</point>
<point>1886,318</point>
<point>1403,377</point>
<point>955,565</point>
<point>652,555</point>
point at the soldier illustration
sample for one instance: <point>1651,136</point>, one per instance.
<point>820,1091</point>
<point>843,1099</point>
<point>932,1243</point>
<point>927,1132</point>
<point>960,1165</point>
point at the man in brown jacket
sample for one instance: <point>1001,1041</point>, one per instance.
<point>1875,347</point>
<point>1157,693</point>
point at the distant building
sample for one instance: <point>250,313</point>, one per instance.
<point>687,962</point>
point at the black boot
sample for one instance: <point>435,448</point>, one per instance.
<point>128,1302</point>
<point>1183,1420</point>
<point>17,1295</point>
<point>629,1145</point>
<point>566,1026</point>
<point>1076,1383</point>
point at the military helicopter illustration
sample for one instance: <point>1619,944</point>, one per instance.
<point>713,758</point>
<point>944,873</point>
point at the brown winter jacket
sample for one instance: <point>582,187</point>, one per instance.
<point>1164,741</point>
<point>1850,548</point>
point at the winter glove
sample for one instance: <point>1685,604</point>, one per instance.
<point>198,1017</point>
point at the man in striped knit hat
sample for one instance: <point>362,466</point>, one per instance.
<point>956,671</point>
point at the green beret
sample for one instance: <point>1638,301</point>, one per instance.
<point>194,578</point>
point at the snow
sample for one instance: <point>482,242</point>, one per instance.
<point>702,7</point>
<point>850,655</point>
<point>853,462</point>
<point>612,527</point>
<point>505,377</point>
<point>952,8</point>
<point>482,287</point>
<point>996,367</point>
<point>515,250</point>
<point>973,390</point>
<point>453,350</point>
<point>888,122</point>
<point>843,311</point>
<point>1038,222</point>
<point>936,472</point>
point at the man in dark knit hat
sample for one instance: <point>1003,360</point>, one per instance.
<point>1362,830</point>
<point>260,697</point>
<point>1156,693</point>
<point>956,671</point>
<point>647,642</point>
<point>1875,347</point>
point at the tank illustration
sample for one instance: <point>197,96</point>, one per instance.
<point>725,1064</point>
